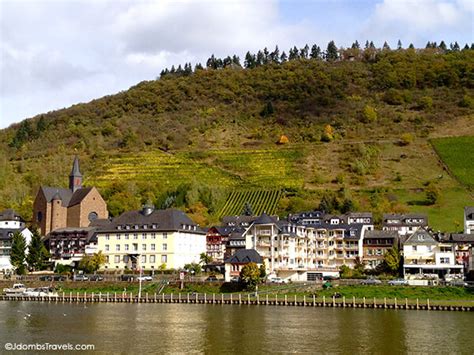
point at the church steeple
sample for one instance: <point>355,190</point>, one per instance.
<point>75,178</point>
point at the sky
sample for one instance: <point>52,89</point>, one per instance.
<point>56,53</point>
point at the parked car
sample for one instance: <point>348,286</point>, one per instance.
<point>277,280</point>
<point>96,278</point>
<point>52,278</point>
<point>212,278</point>
<point>371,282</point>
<point>235,279</point>
<point>80,277</point>
<point>145,278</point>
<point>398,282</point>
<point>127,277</point>
<point>330,278</point>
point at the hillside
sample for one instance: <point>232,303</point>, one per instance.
<point>358,134</point>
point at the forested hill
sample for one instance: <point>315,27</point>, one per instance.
<point>363,96</point>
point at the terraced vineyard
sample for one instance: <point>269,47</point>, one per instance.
<point>260,201</point>
<point>458,155</point>
<point>232,168</point>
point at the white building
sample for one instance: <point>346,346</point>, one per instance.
<point>404,224</point>
<point>150,238</point>
<point>469,220</point>
<point>305,251</point>
<point>425,258</point>
<point>10,222</point>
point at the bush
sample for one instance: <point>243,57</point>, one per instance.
<point>406,139</point>
<point>369,114</point>
<point>467,101</point>
<point>425,103</point>
<point>393,97</point>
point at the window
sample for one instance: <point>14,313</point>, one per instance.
<point>143,259</point>
<point>117,247</point>
<point>135,236</point>
<point>165,246</point>
<point>143,236</point>
<point>164,259</point>
<point>126,236</point>
<point>152,259</point>
<point>107,247</point>
<point>413,247</point>
<point>153,235</point>
<point>107,259</point>
<point>118,237</point>
<point>444,260</point>
<point>144,247</point>
<point>125,259</point>
<point>117,259</point>
<point>135,247</point>
<point>126,247</point>
<point>107,237</point>
<point>93,216</point>
<point>153,247</point>
<point>165,235</point>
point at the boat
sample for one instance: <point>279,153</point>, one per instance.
<point>40,292</point>
<point>16,290</point>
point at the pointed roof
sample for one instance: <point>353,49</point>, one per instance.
<point>265,219</point>
<point>245,256</point>
<point>421,236</point>
<point>75,167</point>
<point>10,215</point>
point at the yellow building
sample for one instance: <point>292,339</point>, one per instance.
<point>149,238</point>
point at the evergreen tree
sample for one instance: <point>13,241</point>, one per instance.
<point>399,45</point>
<point>275,55</point>
<point>250,61</point>
<point>236,61</point>
<point>472,46</point>
<point>172,70</point>
<point>24,134</point>
<point>17,254</point>
<point>355,45</point>
<point>293,53</point>
<point>227,62</point>
<point>315,52</point>
<point>283,57</point>
<point>331,52</point>
<point>411,46</point>
<point>466,47</point>
<point>455,46</point>
<point>304,52</point>
<point>211,62</point>
<point>41,125</point>
<point>260,58</point>
<point>443,46</point>
<point>37,253</point>
<point>386,47</point>
<point>197,67</point>
<point>266,56</point>
<point>366,44</point>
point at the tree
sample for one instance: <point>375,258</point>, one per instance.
<point>399,45</point>
<point>250,275</point>
<point>369,114</point>
<point>247,211</point>
<point>162,268</point>
<point>432,194</point>
<point>91,263</point>
<point>250,61</point>
<point>37,253</point>
<point>315,52</point>
<point>392,260</point>
<point>193,268</point>
<point>267,109</point>
<point>205,259</point>
<point>17,254</point>
<point>263,271</point>
<point>331,51</point>
<point>283,57</point>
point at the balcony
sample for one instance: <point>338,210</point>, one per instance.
<point>263,243</point>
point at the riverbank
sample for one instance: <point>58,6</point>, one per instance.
<point>248,299</point>
<point>355,294</point>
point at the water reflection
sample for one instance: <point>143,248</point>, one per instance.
<point>157,328</point>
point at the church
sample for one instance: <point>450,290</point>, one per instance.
<point>76,207</point>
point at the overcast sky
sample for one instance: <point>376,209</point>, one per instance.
<point>57,53</point>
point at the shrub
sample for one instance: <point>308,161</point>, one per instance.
<point>369,114</point>
<point>393,97</point>
<point>467,101</point>
<point>425,103</point>
<point>406,139</point>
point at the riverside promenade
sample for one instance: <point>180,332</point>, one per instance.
<point>245,299</point>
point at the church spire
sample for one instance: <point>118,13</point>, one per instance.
<point>75,178</point>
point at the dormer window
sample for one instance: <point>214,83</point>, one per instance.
<point>153,226</point>
<point>119,227</point>
<point>135,226</point>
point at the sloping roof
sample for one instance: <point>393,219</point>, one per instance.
<point>165,220</point>
<point>10,215</point>
<point>469,212</point>
<point>238,219</point>
<point>380,234</point>
<point>79,195</point>
<point>359,214</point>
<point>50,192</point>
<point>265,219</point>
<point>461,237</point>
<point>243,256</point>
<point>421,236</point>
<point>100,223</point>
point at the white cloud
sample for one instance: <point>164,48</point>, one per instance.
<point>419,19</point>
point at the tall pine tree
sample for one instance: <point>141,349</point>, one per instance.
<point>37,253</point>
<point>17,254</point>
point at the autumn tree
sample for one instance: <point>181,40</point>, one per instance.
<point>250,276</point>
<point>91,263</point>
<point>392,260</point>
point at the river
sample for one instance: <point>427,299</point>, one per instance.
<point>224,329</point>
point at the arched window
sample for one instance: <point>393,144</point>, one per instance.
<point>39,216</point>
